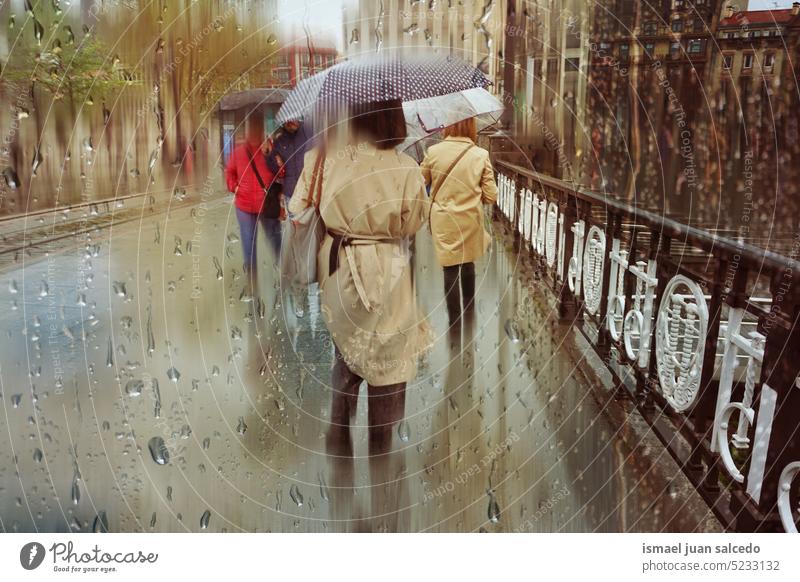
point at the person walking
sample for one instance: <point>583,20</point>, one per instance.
<point>288,152</point>
<point>249,178</point>
<point>462,180</point>
<point>289,147</point>
<point>372,200</point>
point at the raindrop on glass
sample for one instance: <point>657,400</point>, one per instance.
<point>158,450</point>
<point>296,496</point>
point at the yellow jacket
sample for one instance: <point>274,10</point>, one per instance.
<point>457,208</point>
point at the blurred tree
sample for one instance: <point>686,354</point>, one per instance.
<point>79,71</point>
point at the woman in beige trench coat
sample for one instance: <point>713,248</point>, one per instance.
<point>372,202</point>
<point>462,181</point>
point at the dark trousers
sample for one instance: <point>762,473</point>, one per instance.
<point>386,407</point>
<point>459,283</point>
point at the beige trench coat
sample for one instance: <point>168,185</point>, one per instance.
<point>369,304</point>
<point>457,211</point>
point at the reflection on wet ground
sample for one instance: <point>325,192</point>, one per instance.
<point>142,391</point>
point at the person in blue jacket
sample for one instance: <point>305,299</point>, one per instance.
<point>289,148</point>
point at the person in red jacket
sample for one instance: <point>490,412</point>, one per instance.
<point>249,178</point>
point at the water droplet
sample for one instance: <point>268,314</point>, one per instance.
<point>110,354</point>
<point>204,519</point>
<point>296,496</point>
<point>151,341</point>
<point>512,331</point>
<point>37,455</point>
<point>324,492</point>
<point>36,161</point>
<point>218,267</point>
<point>11,178</point>
<point>403,430</point>
<point>100,524</point>
<point>134,387</point>
<point>76,493</point>
<point>493,513</point>
<point>156,398</point>
<point>173,374</point>
<point>241,428</point>
<point>158,450</point>
<point>38,31</point>
<point>120,290</point>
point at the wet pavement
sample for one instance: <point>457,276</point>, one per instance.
<point>142,391</point>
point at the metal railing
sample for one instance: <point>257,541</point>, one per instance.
<point>700,331</point>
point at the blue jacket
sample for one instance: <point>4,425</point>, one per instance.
<point>292,148</point>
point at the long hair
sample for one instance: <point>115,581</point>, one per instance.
<point>465,128</point>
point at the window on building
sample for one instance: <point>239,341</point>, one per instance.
<point>747,62</point>
<point>650,48</point>
<point>727,62</point>
<point>677,26</point>
<point>624,51</point>
<point>695,46</point>
<point>651,28</point>
<point>769,61</point>
<point>698,25</point>
<point>675,50</point>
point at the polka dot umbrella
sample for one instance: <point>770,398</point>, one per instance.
<point>381,77</point>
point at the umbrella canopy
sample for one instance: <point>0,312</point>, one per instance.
<point>425,117</point>
<point>253,98</point>
<point>381,77</point>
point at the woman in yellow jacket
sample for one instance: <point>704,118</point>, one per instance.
<point>462,181</point>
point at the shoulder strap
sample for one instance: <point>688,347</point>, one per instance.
<point>255,169</point>
<point>316,180</point>
<point>446,175</point>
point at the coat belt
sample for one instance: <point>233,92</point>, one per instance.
<point>343,241</point>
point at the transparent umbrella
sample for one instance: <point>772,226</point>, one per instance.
<point>425,118</point>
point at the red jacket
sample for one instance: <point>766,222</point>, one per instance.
<point>241,179</point>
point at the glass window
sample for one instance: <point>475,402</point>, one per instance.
<point>747,63</point>
<point>677,26</point>
<point>727,61</point>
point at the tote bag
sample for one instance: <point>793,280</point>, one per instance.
<point>304,234</point>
